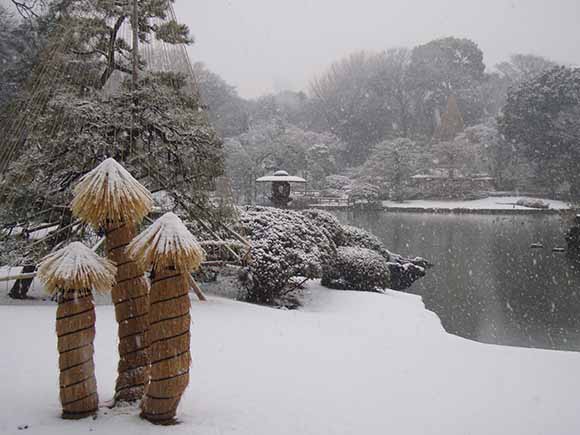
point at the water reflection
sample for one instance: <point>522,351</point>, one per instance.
<point>488,284</point>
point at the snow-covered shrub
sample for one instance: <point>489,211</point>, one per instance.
<point>403,271</point>
<point>359,238</point>
<point>328,222</point>
<point>288,244</point>
<point>285,244</point>
<point>357,269</point>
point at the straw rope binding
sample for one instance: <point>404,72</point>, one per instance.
<point>173,253</point>
<point>131,298</point>
<point>71,273</point>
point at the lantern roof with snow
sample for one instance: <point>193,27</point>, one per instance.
<point>280,176</point>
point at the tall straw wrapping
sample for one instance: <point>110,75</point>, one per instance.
<point>70,274</point>
<point>110,198</point>
<point>173,253</point>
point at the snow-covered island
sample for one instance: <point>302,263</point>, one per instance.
<point>345,363</point>
<point>499,204</point>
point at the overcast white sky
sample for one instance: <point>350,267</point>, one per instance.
<point>265,45</point>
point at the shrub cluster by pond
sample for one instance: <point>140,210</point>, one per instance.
<point>314,244</point>
<point>357,269</point>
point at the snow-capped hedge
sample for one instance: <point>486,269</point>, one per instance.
<point>403,272</point>
<point>357,269</point>
<point>328,222</point>
<point>359,238</point>
<point>284,244</point>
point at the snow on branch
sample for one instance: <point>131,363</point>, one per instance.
<point>167,243</point>
<point>110,193</point>
<point>76,267</point>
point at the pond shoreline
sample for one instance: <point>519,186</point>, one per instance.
<point>497,205</point>
<point>480,211</point>
<point>488,284</point>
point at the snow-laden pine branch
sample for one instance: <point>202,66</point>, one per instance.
<point>167,243</point>
<point>76,267</point>
<point>109,193</point>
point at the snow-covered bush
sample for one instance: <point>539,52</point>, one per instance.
<point>357,269</point>
<point>288,244</point>
<point>328,222</point>
<point>403,271</point>
<point>285,244</point>
<point>359,238</point>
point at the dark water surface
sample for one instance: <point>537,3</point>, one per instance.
<point>488,284</point>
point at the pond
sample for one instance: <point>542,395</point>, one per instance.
<point>488,284</point>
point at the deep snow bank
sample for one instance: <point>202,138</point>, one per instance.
<point>347,363</point>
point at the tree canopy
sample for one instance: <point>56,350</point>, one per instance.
<point>542,118</point>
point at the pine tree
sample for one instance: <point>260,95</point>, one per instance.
<point>76,117</point>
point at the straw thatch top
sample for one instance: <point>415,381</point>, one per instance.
<point>167,243</point>
<point>110,193</point>
<point>76,267</point>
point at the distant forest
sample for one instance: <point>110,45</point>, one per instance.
<point>373,120</point>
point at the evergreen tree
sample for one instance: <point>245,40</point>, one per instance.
<point>163,139</point>
<point>390,166</point>
<point>155,127</point>
<point>542,118</point>
<point>444,67</point>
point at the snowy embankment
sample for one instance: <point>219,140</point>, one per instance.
<point>504,203</point>
<point>347,363</point>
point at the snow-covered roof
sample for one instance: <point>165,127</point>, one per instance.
<point>76,267</point>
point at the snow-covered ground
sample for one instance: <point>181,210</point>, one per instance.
<point>347,363</point>
<point>495,203</point>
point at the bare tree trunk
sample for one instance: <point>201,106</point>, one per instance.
<point>131,298</point>
<point>20,288</point>
<point>75,328</point>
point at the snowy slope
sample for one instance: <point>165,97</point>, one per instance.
<point>348,363</point>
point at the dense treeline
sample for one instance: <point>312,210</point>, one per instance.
<point>374,119</point>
